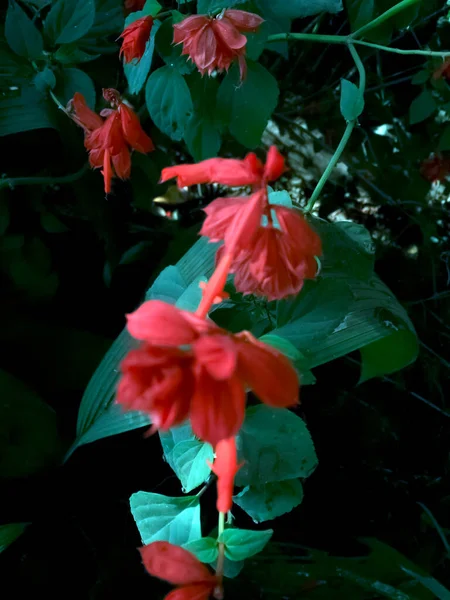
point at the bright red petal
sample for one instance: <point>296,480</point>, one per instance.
<point>220,215</point>
<point>297,229</point>
<point>174,564</point>
<point>160,324</point>
<point>84,116</point>
<point>133,133</point>
<point>225,467</point>
<point>217,407</point>
<point>228,34</point>
<point>122,163</point>
<point>268,373</point>
<point>204,49</point>
<point>246,223</point>
<point>275,166</point>
<point>243,20</point>
<point>197,591</point>
<point>226,171</point>
<point>217,354</point>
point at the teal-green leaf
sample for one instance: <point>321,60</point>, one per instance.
<point>45,80</point>
<point>294,9</point>
<point>69,20</point>
<point>9,534</point>
<point>190,298</point>
<point>202,137</point>
<point>137,72</point>
<point>158,517</point>
<point>25,111</point>
<point>276,445</point>
<point>444,140</point>
<point>169,101</point>
<point>21,33</point>
<point>247,106</point>
<point>298,358</point>
<point>189,460</point>
<point>205,549</point>
<point>71,54</point>
<point>360,12</point>
<point>74,80</point>
<point>352,100</point>
<point>243,543</point>
<point>170,53</point>
<point>109,20</point>
<point>281,198</point>
<point>422,107</point>
<point>152,8</point>
<point>436,588</point>
<point>269,501</point>
<point>210,6</point>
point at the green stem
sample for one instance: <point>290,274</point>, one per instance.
<point>399,51</point>
<point>384,17</point>
<point>58,103</point>
<point>13,182</point>
<point>360,67</point>
<point>221,524</point>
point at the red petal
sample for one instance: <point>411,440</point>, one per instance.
<point>275,166</point>
<point>226,171</point>
<point>244,21</point>
<point>204,49</point>
<point>190,174</point>
<point>225,467</point>
<point>174,564</point>
<point>85,117</point>
<point>190,25</point>
<point>107,171</point>
<point>240,235</point>
<point>161,324</point>
<point>268,373</point>
<point>122,163</point>
<point>134,135</point>
<point>220,215</point>
<point>303,238</point>
<point>228,34</point>
<point>217,354</point>
<point>197,591</point>
<point>217,407</point>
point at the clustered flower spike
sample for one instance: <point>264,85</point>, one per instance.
<point>110,135</point>
<point>189,367</point>
<point>214,43</point>
<point>135,37</point>
<point>181,568</point>
<point>272,248</point>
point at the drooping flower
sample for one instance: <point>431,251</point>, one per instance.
<point>272,248</point>
<point>215,42</point>
<point>135,37</point>
<point>181,568</point>
<point>133,5</point>
<point>435,168</point>
<point>225,466</point>
<point>188,366</point>
<point>443,70</point>
<point>109,139</point>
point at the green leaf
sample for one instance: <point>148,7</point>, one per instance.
<point>69,20</point>
<point>205,549</point>
<point>21,33</point>
<point>190,298</point>
<point>109,21</point>
<point>5,216</point>
<point>438,590</point>
<point>169,101</point>
<point>189,459</point>
<point>247,106</point>
<point>171,54</point>
<point>202,137</point>
<point>360,12</point>
<point>421,77</point>
<point>295,9</point>
<point>243,543</point>
<point>152,8</point>
<point>158,517</point>
<point>256,42</point>
<point>231,568</point>
<point>45,80</point>
<point>266,502</point>
<point>275,445</point>
<point>422,107</point>
<point>71,54</point>
<point>281,198</point>
<point>137,72</point>
<point>174,436</point>
<point>352,100</point>
<point>29,439</point>
<point>9,533</point>
<point>168,286</point>
<point>444,140</point>
<point>74,80</point>
<point>210,6</point>
<point>282,345</point>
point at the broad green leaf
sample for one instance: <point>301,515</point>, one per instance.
<point>29,439</point>
<point>360,12</point>
<point>190,298</point>
<point>45,80</point>
<point>243,543</point>
<point>444,140</point>
<point>352,100</point>
<point>14,69</point>
<point>266,502</point>
<point>74,80</point>
<point>109,21</point>
<point>211,6</point>
<point>158,517</point>
<point>231,568</point>
<point>189,459</point>
<point>10,532</point>
<point>298,359</point>
<point>305,8</point>
<point>21,33</point>
<point>202,137</point>
<point>137,72</point>
<point>256,42</point>
<point>430,583</point>
<point>170,53</point>
<point>422,107</point>
<point>69,20</point>
<point>152,8</point>
<point>275,23</point>
<point>276,445</point>
<point>25,111</point>
<point>389,354</point>
<point>421,77</point>
<point>205,549</point>
<point>168,286</point>
<point>247,106</point>
<point>174,436</point>
<point>281,198</point>
<point>169,101</point>
<point>71,54</point>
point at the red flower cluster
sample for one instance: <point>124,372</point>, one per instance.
<point>225,467</point>
<point>270,259</point>
<point>215,42</point>
<point>181,568</point>
<point>135,38</point>
<point>188,366</point>
<point>109,139</point>
<point>435,168</point>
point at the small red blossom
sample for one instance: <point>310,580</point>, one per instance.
<point>188,366</point>
<point>443,70</point>
<point>225,466</point>
<point>133,5</point>
<point>135,38</point>
<point>109,139</point>
<point>181,568</point>
<point>215,42</point>
<point>435,168</point>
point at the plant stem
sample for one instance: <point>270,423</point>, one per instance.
<point>58,103</point>
<point>360,67</point>
<point>399,51</point>
<point>384,17</point>
<point>16,181</point>
<point>221,524</point>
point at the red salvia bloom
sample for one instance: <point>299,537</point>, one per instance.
<point>215,42</point>
<point>225,467</point>
<point>443,70</point>
<point>271,259</point>
<point>188,366</point>
<point>435,168</point>
<point>179,567</point>
<point>133,5</point>
<point>109,140</point>
<point>135,38</point>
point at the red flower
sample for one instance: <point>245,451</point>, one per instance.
<point>135,38</point>
<point>443,71</point>
<point>133,5</point>
<point>179,567</point>
<point>188,366</point>
<point>225,467</point>
<point>435,168</point>
<point>215,42</point>
<point>109,140</point>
